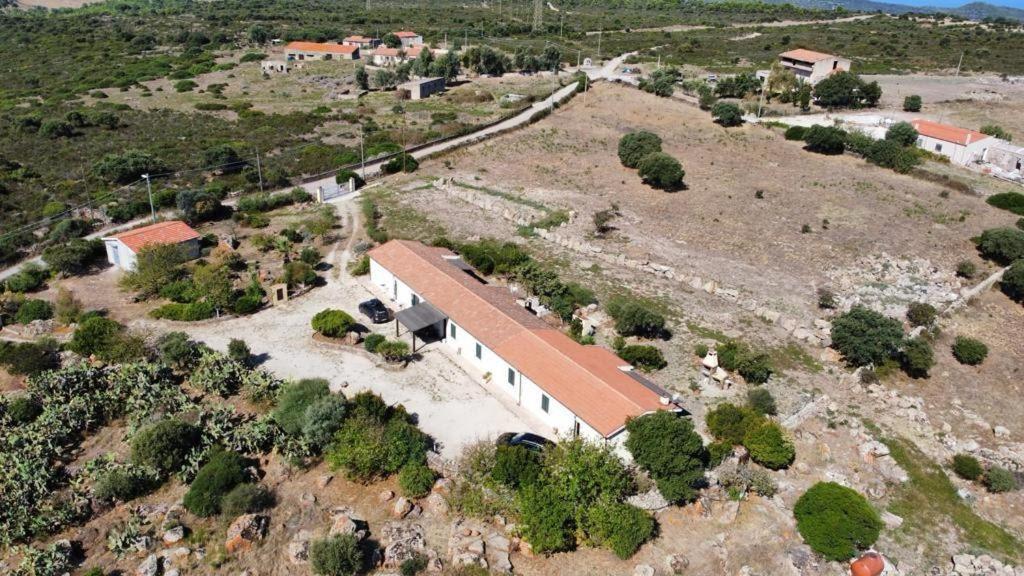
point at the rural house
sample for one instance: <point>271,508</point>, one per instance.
<point>422,87</point>
<point>361,42</point>
<point>575,389</point>
<point>320,51</point>
<point>387,56</point>
<point>1006,158</point>
<point>409,38</point>
<point>812,66</point>
<point>122,248</point>
<point>960,145</point>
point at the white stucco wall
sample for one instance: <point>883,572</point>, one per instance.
<point>956,153</point>
<point>121,256</point>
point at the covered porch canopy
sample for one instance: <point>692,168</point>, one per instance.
<point>417,318</point>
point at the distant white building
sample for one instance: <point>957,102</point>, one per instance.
<point>123,248</point>
<point>1006,157</point>
<point>960,145</point>
<point>320,51</point>
<point>576,390</point>
<point>423,87</point>
<point>274,67</point>
<point>812,66</point>
<point>387,56</point>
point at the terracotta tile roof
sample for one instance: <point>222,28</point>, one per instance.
<point>588,380</point>
<point>947,133</point>
<point>804,55</point>
<point>393,52</point>
<point>321,47</point>
<point>414,51</point>
<point>359,39</point>
<point>406,34</point>
<point>170,232</point>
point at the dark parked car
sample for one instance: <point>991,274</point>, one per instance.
<point>375,310</point>
<point>526,440</point>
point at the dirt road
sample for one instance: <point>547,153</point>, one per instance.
<point>780,24</point>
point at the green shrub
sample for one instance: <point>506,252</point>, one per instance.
<point>361,267</point>
<point>755,367</point>
<point>666,445</point>
<point>661,171</point>
<point>1010,201</point>
<point>1004,245</point>
<point>863,337</point>
<point>999,480</point>
<point>917,357</point>
<point>967,467</point>
<point>176,350</point>
<point>416,480</point>
<point>718,451</point>
<point>345,175</point>
<point>105,339</point>
<point>966,269</point>
<point>31,310</point>
<point>635,145</point>
<point>769,446</point>
<point>969,351</point>
<point>727,114</point>
<point>762,401</point>
<point>28,358</point>
<point>646,358</point>
<point>401,163</point>
<point>373,341</point>
<point>31,277</point>
<point>393,350</point>
<point>996,131</point>
<point>294,400</point>
<point>124,483</point>
<point>1012,283</point>
<point>337,555</point>
<point>185,86</point>
<point>795,133</point>
<point>310,256</point>
<point>414,565</point>
<point>516,466</point>
<point>729,423</point>
<point>298,273</point>
<point>836,521</point>
<point>635,318</point>
<point>367,447</point>
<point>621,527</point>
<point>891,154</point>
<point>912,103</point>
<point>903,133</point>
<point>323,419</point>
<point>860,143</point>
<point>921,314</point>
<point>74,256</point>
<point>333,323</point>
<point>246,499</point>
<point>247,304</point>
<point>165,445</point>
<point>825,139</point>
<point>24,409</point>
<point>239,351</point>
<point>215,479</point>
<point>192,312</point>
<point>546,519</point>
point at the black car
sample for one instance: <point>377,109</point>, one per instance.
<point>375,310</point>
<point>527,440</point>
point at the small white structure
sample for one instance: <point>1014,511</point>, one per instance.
<point>423,87</point>
<point>320,51</point>
<point>409,38</point>
<point>1006,158</point>
<point>123,248</point>
<point>576,390</point>
<point>274,67</point>
<point>812,66</point>
<point>960,145</point>
<point>387,56</point>
<point>710,370</point>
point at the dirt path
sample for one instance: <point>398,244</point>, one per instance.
<point>780,24</point>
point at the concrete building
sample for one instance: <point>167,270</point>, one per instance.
<point>960,145</point>
<point>274,66</point>
<point>387,56</point>
<point>1007,158</point>
<point>123,248</point>
<point>575,389</point>
<point>812,66</point>
<point>362,42</point>
<point>320,51</point>
<point>423,87</point>
<point>409,38</point>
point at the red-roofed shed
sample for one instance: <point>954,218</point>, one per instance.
<point>122,248</point>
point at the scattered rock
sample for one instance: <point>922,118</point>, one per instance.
<point>324,480</point>
<point>174,535</point>
<point>1001,432</point>
<point>245,530</point>
<point>403,506</point>
<point>401,542</point>
<point>149,567</point>
<point>891,520</point>
<point>643,570</point>
<point>436,504</point>
<point>386,496</point>
<point>676,563</point>
<point>650,500</point>
<point>298,548</point>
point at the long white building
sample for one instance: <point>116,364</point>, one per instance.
<point>574,389</point>
<point>960,145</point>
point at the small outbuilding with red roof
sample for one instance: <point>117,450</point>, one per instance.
<point>123,248</point>
<point>960,145</point>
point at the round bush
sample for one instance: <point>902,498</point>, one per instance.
<point>769,446</point>
<point>1000,480</point>
<point>661,171</point>
<point>921,314</point>
<point>903,133</point>
<point>31,310</point>
<point>865,337</point>
<point>646,358</point>
<point>967,467</point>
<point>343,177</point>
<point>295,399</point>
<point>917,357</point>
<point>393,350</point>
<point>969,351</point>
<point>825,139</point>
<point>621,527</point>
<point>635,145</point>
<point>337,555</point>
<point>323,419</point>
<point>246,499</point>
<point>401,163</point>
<point>795,133</point>
<point>333,323</point>
<point>215,479</point>
<point>164,446</point>
<point>515,466</point>
<point>912,103</point>
<point>247,304</point>
<point>123,484</point>
<point>729,423</point>
<point>762,401</point>
<point>1004,245</point>
<point>416,480</point>
<point>1013,281</point>
<point>372,341</point>
<point>836,521</point>
<point>727,114</point>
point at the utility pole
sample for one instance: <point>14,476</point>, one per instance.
<point>958,64</point>
<point>599,45</point>
<point>561,25</point>
<point>362,157</point>
<point>149,190</point>
<point>259,168</point>
<point>764,88</point>
<point>578,54</point>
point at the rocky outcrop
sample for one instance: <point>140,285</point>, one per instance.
<point>401,542</point>
<point>479,544</point>
<point>984,565</point>
<point>244,531</point>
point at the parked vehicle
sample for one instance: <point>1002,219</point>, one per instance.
<point>527,440</point>
<point>375,310</point>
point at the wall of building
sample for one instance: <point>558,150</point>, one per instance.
<point>956,153</point>
<point>124,258</point>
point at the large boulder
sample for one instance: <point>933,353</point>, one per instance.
<point>244,531</point>
<point>401,542</point>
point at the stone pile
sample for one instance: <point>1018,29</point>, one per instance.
<point>475,543</point>
<point>888,284</point>
<point>404,541</point>
<point>984,565</point>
